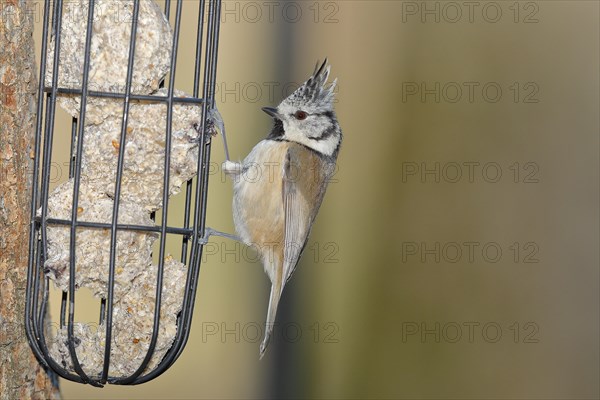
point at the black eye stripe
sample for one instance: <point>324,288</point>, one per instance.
<point>326,113</point>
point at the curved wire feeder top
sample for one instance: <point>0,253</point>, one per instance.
<point>131,148</point>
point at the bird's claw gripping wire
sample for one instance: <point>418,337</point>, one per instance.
<point>208,232</point>
<point>215,125</point>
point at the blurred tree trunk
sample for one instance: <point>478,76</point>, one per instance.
<point>21,376</point>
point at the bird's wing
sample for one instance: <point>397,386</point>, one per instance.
<point>303,191</point>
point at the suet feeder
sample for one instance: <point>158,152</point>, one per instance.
<point>135,140</point>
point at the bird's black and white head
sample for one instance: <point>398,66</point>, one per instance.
<point>307,115</point>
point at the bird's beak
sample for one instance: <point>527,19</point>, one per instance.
<point>272,112</point>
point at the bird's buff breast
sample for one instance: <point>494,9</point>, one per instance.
<point>257,200</point>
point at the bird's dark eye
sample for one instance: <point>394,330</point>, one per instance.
<point>301,115</point>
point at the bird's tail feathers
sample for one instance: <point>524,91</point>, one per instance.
<point>273,303</point>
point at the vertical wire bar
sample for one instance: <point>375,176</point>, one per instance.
<point>43,310</point>
<point>72,160</point>
<point>186,221</point>
<point>196,90</point>
<point>36,308</point>
<point>167,9</point>
<point>48,139</point>
<point>47,156</point>
<point>198,225</point>
<point>203,162</point>
<point>215,54</point>
<point>208,95</point>
<point>45,173</point>
<point>77,182</point>
<point>117,195</point>
<point>39,310</point>
<point>37,343</point>
<point>43,250</point>
<point>190,298</point>
<point>209,73</point>
<point>192,275</point>
<point>162,83</point>
<point>199,41</point>
<point>165,209</point>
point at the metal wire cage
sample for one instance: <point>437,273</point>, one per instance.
<point>189,232</point>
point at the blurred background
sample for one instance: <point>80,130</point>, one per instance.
<point>456,252</point>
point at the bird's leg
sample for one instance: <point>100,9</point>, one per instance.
<point>208,232</point>
<point>215,123</point>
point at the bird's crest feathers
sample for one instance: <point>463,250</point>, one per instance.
<point>314,95</point>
